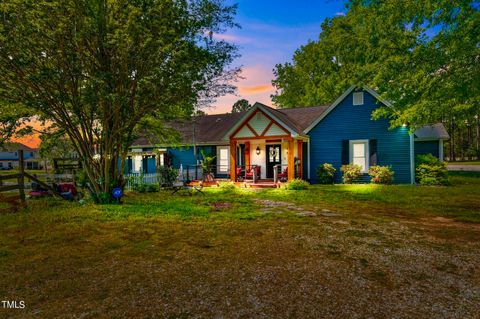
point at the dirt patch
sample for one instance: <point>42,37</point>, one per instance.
<point>270,206</point>
<point>221,206</point>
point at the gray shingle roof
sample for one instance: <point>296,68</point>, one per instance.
<point>433,131</point>
<point>211,129</point>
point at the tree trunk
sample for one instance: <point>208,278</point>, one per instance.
<point>452,141</point>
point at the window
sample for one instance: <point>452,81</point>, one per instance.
<point>162,159</point>
<point>358,98</point>
<point>359,154</point>
<point>222,159</point>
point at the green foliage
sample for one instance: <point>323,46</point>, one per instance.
<point>105,71</point>
<point>421,54</point>
<point>325,173</point>
<point>167,175</point>
<point>241,105</point>
<point>81,178</point>
<point>431,171</point>
<point>381,174</point>
<point>297,184</point>
<point>207,162</point>
<point>351,173</point>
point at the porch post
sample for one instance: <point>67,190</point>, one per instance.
<point>291,162</point>
<point>300,158</point>
<point>247,155</point>
<point>233,157</point>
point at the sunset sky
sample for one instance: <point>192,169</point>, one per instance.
<point>270,33</point>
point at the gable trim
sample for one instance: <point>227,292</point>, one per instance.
<point>251,129</point>
<point>233,130</point>
<point>339,100</point>
<point>258,107</point>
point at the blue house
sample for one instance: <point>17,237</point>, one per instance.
<point>294,142</point>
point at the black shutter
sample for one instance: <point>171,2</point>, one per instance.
<point>373,153</point>
<point>345,152</point>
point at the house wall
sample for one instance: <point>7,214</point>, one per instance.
<point>427,147</point>
<point>31,161</point>
<point>258,159</point>
<point>349,122</point>
<point>261,159</point>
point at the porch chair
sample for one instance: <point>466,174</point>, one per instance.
<point>249,173</point>
<point>283,176</point>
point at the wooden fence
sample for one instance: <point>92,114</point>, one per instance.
<point>20,184</point>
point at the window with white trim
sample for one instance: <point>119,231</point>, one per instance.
<point>358,98</point>
<point>359,154</point>
<point>222,159</point>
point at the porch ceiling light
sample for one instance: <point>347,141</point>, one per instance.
<point>258,150</point>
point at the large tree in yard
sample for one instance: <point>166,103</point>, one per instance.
<point>423,55</point>
<point>103,70</point>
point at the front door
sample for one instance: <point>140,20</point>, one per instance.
<point>274,157</point>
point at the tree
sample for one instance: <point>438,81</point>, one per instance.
<point>55,144</point>
<point>103,70</point>
<point>241,106</point>
<point>422,55</point>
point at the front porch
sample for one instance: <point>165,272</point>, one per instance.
<point>264,151</point>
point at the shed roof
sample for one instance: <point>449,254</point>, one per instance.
<point>432,131</point>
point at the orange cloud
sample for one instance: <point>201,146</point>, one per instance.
<point>255,89</point>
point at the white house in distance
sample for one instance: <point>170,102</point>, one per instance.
<point>9,156</point>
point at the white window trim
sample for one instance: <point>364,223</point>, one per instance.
<point>367,153</point>
<point>362,100</point>
<point>222,170</point>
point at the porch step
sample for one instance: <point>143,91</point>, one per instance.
<point>256,185</point>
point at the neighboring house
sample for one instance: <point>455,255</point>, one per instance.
<point>9,156</point>
<point>297,140</point>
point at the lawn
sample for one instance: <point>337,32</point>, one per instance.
<point>465,163</point>
<point>330,251</point>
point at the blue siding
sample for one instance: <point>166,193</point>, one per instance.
<point>182,156</point>
<point>186,156</point>
<point>13,156</point>
<point>426,147</point>
<point>349,122</point>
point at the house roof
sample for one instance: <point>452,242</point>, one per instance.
<point>214,129</point>
<point>15,146</point>
<point>205,129</point>
<point>432,132</point>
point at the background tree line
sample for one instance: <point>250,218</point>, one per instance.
<point>423,55</point>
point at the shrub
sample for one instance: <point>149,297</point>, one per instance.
<point>351,173</point>
<point>431,171</point>
<point>151,188</point>
<point>297,184</point>
<point>325,173</point>
<point>167,175</point>
<point>381,174</point>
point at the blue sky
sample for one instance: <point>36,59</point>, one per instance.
<point>270,33</point>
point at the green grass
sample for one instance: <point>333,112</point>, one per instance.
<point>465,163</point>
<point>227,254</point>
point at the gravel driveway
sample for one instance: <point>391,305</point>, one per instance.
<point>460,167</point>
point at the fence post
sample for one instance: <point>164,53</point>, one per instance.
<point>21,179</point>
